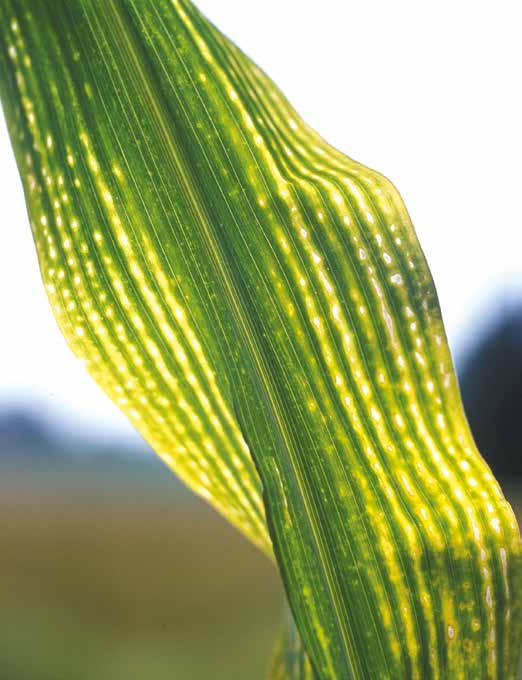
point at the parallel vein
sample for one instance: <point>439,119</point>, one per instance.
<point>259,306</point>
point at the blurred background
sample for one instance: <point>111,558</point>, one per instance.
<point>109,568</point>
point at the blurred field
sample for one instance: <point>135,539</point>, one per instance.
<point>109,577</point>
<point>144,586</point>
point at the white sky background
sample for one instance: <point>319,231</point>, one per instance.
<point>426,93</point>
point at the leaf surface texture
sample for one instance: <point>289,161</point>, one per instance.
<point>259,306</point>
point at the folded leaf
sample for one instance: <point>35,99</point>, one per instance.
<point>251,297</point>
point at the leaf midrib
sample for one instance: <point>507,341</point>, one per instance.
<point>182,173</point>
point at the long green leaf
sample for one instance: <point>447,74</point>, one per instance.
<point>250,296</point>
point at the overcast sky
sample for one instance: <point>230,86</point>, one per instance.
<point>427,93</point>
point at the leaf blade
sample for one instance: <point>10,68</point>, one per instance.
<point>341,380</point>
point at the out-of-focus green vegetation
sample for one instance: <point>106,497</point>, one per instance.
<point>142,584</point>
